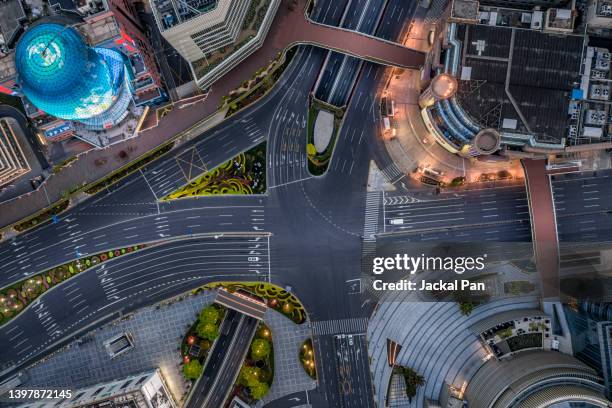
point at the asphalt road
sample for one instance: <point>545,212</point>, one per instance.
<point>340,71</point>
<point>346,373</point>
<point>232,362</point>
<point>315,223</point>
<point>224,363</point>
<point>214,361</point>
<point>129,283</point>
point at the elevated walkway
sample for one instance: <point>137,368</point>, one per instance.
<point>296,29</point>
<point>543,226</point>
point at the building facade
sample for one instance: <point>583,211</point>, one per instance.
<point>145,390</point>
<point>213,36</point>
<point>64,77</point>
<point>13,163</point>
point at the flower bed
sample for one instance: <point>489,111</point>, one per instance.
<point>276,297</point>
<point>244,174</point>
<point>199,339</point>
<point>14,298</point>
<point>307,359</point>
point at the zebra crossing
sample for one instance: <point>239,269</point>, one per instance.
<point>370,226</point>
<point>356,325</point>
<point>392,173</point>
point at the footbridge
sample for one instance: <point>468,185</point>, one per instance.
<point>543,226</point>
<point>298,29</point>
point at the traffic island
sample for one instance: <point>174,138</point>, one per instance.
<point>276,298</point>
<point>257,372</point>
<point>242,175</point>
<point>323,126</point>
<point>16,297</point>
<point>307,359</point>
<point>199,339</point>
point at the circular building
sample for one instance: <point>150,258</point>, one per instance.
<point>535,379</point>
<point>442,87</point>
<point>64,77</point>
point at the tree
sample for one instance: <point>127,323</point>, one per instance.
<point>207,330</point>
<point>259,390</point>
<point>260,349</point>
<point>209,314</point>
<point>192,370</point>
<point>249,376</point>
<point>466,308</point>
<point>412,380</point>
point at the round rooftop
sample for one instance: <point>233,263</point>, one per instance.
<point>64,77</point>
<point>487,141</point>
<point>444,86</point>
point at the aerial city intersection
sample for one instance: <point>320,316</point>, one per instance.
<point>305,203</point>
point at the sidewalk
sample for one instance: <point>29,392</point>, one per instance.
<point>289,375</point>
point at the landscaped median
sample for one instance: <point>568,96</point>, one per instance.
<point>307,359</point>
<point>42,216</point>
<point>319,148</point>
<point>276,297</point>
<point>244,174</point>
<point>16,297</point>
<point>257,372</point>
<point>199,340</point>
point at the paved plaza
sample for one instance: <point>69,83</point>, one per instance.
<point>157,332</point>
<point>289,376</point>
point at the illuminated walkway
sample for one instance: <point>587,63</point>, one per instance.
<point>543,226</point>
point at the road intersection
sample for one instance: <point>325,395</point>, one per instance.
<point>305,232</point>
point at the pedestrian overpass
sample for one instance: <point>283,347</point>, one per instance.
<point>297,29</point>
<point>543,226</point>
<point>362,46</point>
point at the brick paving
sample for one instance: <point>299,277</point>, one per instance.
<point>157,333</point>
<point>289,376</point>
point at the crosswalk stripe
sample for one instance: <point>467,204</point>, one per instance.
<point>340,326</point>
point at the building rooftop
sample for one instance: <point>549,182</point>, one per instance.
<point>7,66</point>
<point>604,8</point>
<point>173,12</point>
<point>100,30</point>
<point>11,13</point>
<point>464,10</point>
<point>539,69</point>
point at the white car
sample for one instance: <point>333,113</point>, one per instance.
<point>396,221</point>
<point>253,258</point>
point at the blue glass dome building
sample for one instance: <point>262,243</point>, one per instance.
<point>64,77</point>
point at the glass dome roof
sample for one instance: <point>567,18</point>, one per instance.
<point>64,77</point>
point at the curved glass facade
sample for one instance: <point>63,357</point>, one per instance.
<point>64,77</point>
